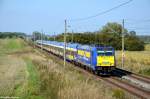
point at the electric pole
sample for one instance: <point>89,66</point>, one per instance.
<point>123,43</point>
<point>54,36</point>
<point>34,39</point>
<point>72,37</point>
<point>41,38</point>
<point>65,43</point>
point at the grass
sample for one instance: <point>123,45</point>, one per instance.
<point>32,89</point>
<point>18,75</point>
<point>118,94</point>
<point>11,45</point>
<point>147,47</point>
<point>145,71</point>
<point>136,61</point>
<point>12,68</point>
<point>12,74</point>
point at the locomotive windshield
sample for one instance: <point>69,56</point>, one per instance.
<point>105,51</point>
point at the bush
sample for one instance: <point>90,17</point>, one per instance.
<point>118,94</point>
<point>12,34</point>
<point>133,43</point>
<point>145,72</point>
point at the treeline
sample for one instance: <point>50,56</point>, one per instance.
<point>38,36</point>
<point>12,34</point>
<point>144,38</point>
<point>109,35</point>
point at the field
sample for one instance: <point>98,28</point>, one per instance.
<point>136,61</point>
<point>27,73</point>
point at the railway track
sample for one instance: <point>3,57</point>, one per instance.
<point>129,87</point>
<point>142,78</point>
<point>135,79</point>
<point>115,82</point>
<point>133,75</point>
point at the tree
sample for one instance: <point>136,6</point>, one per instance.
<point>38,36</point>
<point>132,33</point>
<point>113,28</point>
<point>12,34</point>
<point>133,43</point>
<point>111,35</point>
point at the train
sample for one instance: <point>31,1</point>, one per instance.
<point>99,59</point>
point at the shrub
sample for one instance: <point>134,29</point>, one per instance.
<point>133,43</point>
<point>118,94</point>
<point>145,71</point>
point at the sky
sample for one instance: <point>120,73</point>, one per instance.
<point>49,15</point>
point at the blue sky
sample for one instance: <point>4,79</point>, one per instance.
<point>34,15</point>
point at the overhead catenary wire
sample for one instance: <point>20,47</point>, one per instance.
<point>138,20</point>
<point>101,13</point>
<point>60,24</point>
<point>93,16</point>
<point>135,21</point>
<point>139,27</point>
<point>56,29</point>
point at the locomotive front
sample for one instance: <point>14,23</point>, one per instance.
<point>105,60</point>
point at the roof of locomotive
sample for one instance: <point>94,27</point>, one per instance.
<point>93,47</point>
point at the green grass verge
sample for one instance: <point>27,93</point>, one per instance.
<point>32,88</point>
<point>145,72</point>
<point>13,44</point>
